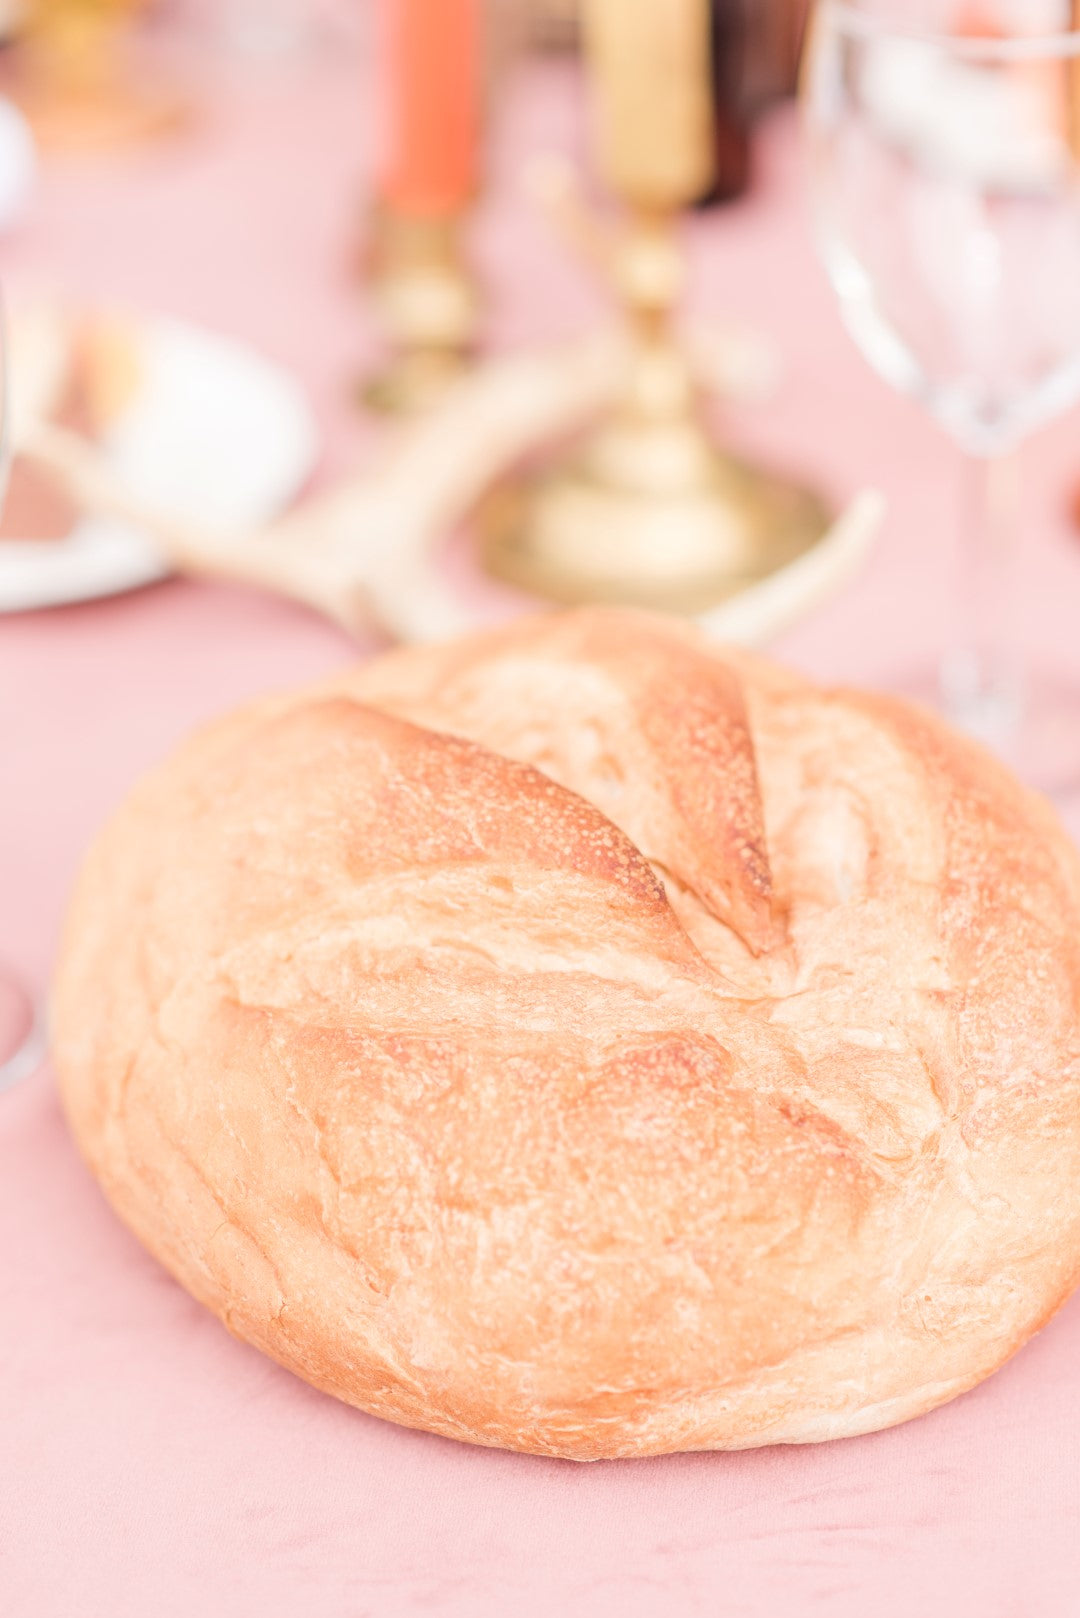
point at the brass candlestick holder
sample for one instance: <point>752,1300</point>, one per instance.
<point>428,304</point>
<point>648,510</point>
<point>73,82</point>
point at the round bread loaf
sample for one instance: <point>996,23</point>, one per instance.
<point>589,1041</point>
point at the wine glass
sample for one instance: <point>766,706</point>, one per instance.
<point>944,142</point>
<point>20,1042</point>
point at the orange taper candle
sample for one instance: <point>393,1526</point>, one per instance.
<point>433,103</point>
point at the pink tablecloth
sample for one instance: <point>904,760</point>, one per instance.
<point>149,1465</point>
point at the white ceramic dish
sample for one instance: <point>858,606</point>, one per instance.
<point>214,433</point>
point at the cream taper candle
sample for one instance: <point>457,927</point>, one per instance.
<point>649,62</point>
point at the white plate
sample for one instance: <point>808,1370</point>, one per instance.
<point>215,433</point>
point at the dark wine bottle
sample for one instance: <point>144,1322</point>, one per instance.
<point>728,40</point>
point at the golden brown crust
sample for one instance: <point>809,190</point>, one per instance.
<point>589,1041</point>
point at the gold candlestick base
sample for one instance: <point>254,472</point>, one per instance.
<point>98,120</point>
<point>649,511</point>
<point>576,534</point>
<point>75,83</point>
<point>413,381</point>
<point>428,304</point>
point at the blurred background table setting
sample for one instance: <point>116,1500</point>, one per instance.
<point>332,323</point>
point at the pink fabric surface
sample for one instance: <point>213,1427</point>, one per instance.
<point>149,1464</point>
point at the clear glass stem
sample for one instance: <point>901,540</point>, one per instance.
<point>981,676</point>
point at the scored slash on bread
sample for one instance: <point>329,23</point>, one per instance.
<point>592,705</point>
